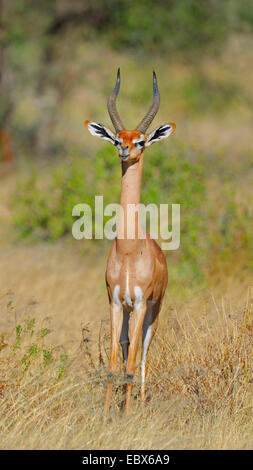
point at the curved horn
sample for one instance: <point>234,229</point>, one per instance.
<point>111,105</point>
<point>148,118</point>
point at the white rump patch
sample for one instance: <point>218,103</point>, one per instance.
<point>127,297</point>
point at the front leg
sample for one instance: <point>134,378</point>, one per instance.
<point>136,323</point>
<point>116,314</point>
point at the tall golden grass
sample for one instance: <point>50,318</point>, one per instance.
<point>54,352</point>
<point>54,319</point>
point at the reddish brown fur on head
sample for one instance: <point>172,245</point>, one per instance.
<point>132,144</point>
<point>128,136</point>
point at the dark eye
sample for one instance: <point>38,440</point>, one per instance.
<point>141,143</point>
<point>116,143</point>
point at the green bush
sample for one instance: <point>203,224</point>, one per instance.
<point>170,25</point>
<point>43,205</point>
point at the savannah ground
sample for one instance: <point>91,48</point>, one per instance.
<point>54,323</point>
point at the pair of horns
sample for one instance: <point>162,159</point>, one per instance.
<point>148,118</point>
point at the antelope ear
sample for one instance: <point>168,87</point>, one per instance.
<point>160,133</point>
<point>100,131</point>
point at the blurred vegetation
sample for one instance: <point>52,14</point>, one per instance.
<point>171,25</point>
<point>40,40</point>
<point>209,229</point>
<point>44,205</point>
<point>58,61</point>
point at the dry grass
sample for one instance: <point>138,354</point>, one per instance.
<point>54,344</point>
<point>54,329</point>
<point>53,368</point>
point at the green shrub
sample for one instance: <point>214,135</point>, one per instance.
<point>169,25</point>
<point>25,346</point>
<point>209,228</point>
<point>43,206</point>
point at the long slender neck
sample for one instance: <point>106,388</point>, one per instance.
<point>130,194</point>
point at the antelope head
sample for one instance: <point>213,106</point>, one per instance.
<point>131,144</point>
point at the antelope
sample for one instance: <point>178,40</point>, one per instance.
<point>136,274</point>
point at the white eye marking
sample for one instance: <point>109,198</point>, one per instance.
<point>118,141</point>
<point>139,143</point>
<point>138,139</point>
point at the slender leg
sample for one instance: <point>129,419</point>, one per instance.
<point>116,313</point>
<point>135,333</point>
<point>124,339</point>
<point>148,330</point>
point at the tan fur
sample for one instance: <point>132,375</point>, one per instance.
<point>140,262</point>
<point>136,273</point>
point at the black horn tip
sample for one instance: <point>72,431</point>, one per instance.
<point>155,85</point>
<point>117,85</point>
<point>149,116</point>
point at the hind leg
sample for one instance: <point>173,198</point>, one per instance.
<point>124,338</point>
<point>148,330</point>
<point>136,324</point>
